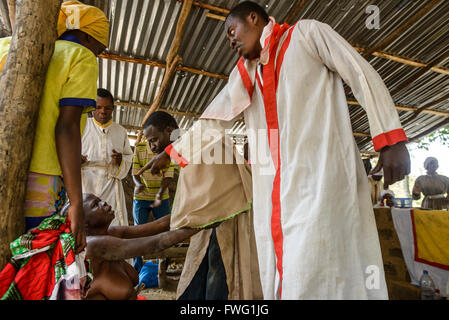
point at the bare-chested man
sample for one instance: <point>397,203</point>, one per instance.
<point>108,247</point>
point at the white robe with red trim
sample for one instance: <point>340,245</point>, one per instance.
<point>315,229</point>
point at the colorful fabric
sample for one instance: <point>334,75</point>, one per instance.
<point>43,260</point>
<point>143,155</point>
<point>45,196</point>
<point>403,224</point>
<point>89,19</point>
<point>431,236</point>
<point>4,47</point>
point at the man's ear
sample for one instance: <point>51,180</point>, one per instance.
<point>169,130</point>
<point>253,18</point>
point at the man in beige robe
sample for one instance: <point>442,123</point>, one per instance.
<point>221,262</point>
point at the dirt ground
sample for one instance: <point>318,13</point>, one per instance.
<point>158,294</point>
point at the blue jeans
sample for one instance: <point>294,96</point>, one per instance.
<point>141,213</point>
<point>209,282</point>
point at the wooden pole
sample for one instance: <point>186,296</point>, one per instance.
<point>173,60</point>
<point>295,11</point>
<point>21,86</point>
<point>12,13</point>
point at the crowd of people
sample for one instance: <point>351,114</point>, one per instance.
<point>300,228</point>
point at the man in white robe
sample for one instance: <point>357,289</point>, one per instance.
<point>107,157</point>
<point>315,229</point>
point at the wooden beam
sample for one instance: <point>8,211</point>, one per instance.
<point>403,60</point>
<point>158,64</point>
<point>168,253</point>
<point>399,31</point>
<point>425,107</point>
<point>223,77</point>
<point>215,16</point>
<point>410,109</point>
<point>295,11</point>
<point>143,106</point>
<point>12,13</point>
<point>209,7</point>
<point>172,61</point>
<point>420,73</point>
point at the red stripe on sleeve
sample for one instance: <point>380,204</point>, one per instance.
<point>176,156</point>
<point>389,138</point>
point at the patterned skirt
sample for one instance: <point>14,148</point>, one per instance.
<point>45,196</point>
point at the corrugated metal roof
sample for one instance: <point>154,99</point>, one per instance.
<point>144,30</point>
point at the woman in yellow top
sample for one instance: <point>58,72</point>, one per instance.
<point>69,92</point>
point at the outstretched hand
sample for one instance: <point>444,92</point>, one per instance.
<point>395,162</point>
<point>159,162</point>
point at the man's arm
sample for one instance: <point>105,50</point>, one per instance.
<point>143,230</point>
<point>416,191</point>
<point>68,147</point>
<point>370,91</point>
<point>164,185</point>
<point>112,248</point>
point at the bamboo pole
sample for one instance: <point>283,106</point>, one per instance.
<point>172,62</point>
<point>21,86</point>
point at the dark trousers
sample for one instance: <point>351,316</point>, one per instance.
<point>209,282</point>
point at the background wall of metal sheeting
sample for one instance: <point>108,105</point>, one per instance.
<point>143,30</point>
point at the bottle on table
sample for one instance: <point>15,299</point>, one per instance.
<point>427,286</point>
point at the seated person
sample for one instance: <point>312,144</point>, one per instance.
<point>109,246</point>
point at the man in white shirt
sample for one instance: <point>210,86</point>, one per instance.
<point>106,157</point>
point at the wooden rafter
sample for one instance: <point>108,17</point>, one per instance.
<point>295,11</point>
<point>403,60</point>
<point>420,73</point>
<point>147,107</point>
<point>223,77</point>
<point>425,107</point>
<point>209,7</point>
<point>158,64</point>
<point>172,62</point>
<point>12,13</point>
<point>399,31</point>
<point>410,109</point>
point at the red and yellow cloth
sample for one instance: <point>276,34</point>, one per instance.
<point>42,261</point>
<point>431,237</point>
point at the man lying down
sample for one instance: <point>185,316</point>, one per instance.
<point>44,262</point>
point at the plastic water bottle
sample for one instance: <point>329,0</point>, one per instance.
<point>427,286</point>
